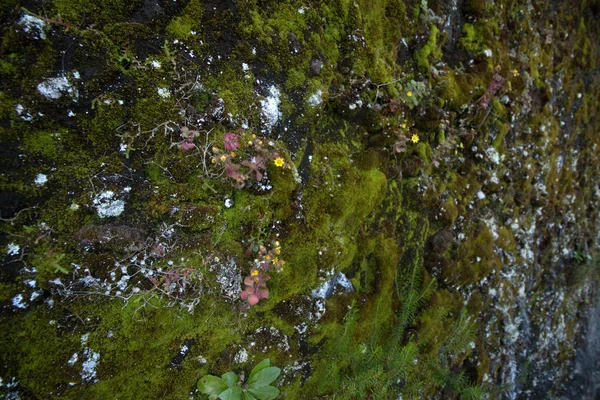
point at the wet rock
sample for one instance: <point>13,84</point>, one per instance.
<point>294,43</point>
<point>182,354</point>
<point>338,282</point>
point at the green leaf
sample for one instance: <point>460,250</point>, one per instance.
<point>264,377</point>
<point>234,393</point>
<point>260,366</point>
<point>230,379</point>
<point>248,396</point>
<point>265,392</point>
<point>212,386</point>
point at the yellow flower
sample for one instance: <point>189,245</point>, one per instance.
<point>515,72</point>
<point>250,142</point>
<point>409,94</point>
<point>415,138</point>
<point>403,126</point>
<point>267,257</point>
<point>253,136</point>
<point>214,160</point>
<point>276,260</point>
<point>223,158</point>
<point>278,162</point>
<point>276,243</point>
<point>277,250</point>
<point>232,155</point>
<point>254,272</point>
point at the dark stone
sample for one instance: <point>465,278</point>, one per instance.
<point>295,46</point>
<point>440,242</point>
<point>316,65</point>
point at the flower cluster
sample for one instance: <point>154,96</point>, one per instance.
<point>256,282</point>
<point>250,161</point>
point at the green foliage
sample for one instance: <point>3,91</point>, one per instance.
<point>230,387</point>
<point>429,52</point>
<point>471,40</point>
<point>413,93</point>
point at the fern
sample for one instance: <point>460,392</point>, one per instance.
<point>462,337</point>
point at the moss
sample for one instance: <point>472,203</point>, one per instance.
<point>455,90</point>
<point>77,12</point>
<point>429,50</point>
<point>45,144</point>
<point>471,40</point>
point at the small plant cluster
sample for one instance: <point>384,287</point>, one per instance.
<point>246,156</point>
<point>497,83</point>
<point>188,136</point>
<point>256,282</point>
<point>413,93</point>
<point>402,140</point>
<point>230,386</point>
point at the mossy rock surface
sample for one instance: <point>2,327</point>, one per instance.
<point>417,179</point>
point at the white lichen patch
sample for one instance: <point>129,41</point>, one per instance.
<point>316,98</point>
<point>13,249</point>
<point>33,26</point>
<point>493,155</point>
<point>54,88</point>
<point>88,369</point>
<point>107,205</point>
<point>22,113</point>
<point>163,92</point>
<point>241,356</point>
<point>18,302</point>
<point>40,180</point>
<point>270,108</point>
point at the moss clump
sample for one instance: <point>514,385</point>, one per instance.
<point>471,40</point>
<point>430,51</point>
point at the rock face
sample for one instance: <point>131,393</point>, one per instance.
<point>410,187</point>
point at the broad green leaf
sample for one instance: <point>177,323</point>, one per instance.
<point>265,392</point>
<point>230,379</point>
<point>264,377</point>
<point>260,366</point>
<point>213,386</point>
<point>248,396</point>
<point>234,393</point>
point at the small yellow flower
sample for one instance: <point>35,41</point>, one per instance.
<point>223,158</point>
<point>250,142</point>
<point>232,155</point>
<point>254,272</point>
<point>409,94</point>
<point>403,126</point>
<point>253,136</point>
<point>268,257</point>
<point>215,149</point>
<point>415,138</point>
<point>276,260</point>
<point>515,72</point>
<point>277,250</point>
<point>276,243</point>
<point>278,162</point>
<point>214,160</point>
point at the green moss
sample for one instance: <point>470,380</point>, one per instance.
<point>77,12</point>
<point>45,144</point>
<point>471,40</point>
<point>429,50</point>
